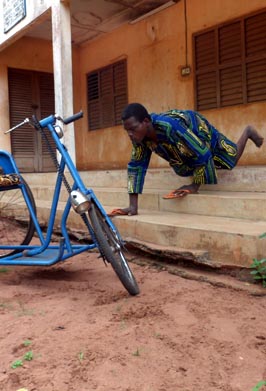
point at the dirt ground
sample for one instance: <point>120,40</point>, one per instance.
<point>73,327</point>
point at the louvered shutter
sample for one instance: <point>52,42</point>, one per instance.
<point>23,140</point>
<point>47,107</point>
<point>230,63</point>
<point>107,95</point>
<point>120,90</point>
<point>94,101</point>
<point>29,91</point>
<point>255,27</point>
<point>205,72</point>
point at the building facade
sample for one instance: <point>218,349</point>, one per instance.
<point>57,56</point>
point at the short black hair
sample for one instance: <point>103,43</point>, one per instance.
<point>135,110</point>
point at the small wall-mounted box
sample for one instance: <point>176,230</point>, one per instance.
<point>185,71</point>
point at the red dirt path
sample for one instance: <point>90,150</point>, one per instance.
<point>86,333</point>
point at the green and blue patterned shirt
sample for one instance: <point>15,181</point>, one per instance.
<point>191,145</point>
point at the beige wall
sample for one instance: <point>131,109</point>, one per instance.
<point>155,51</point>
<point>26,53</point>
<point>29,53</point>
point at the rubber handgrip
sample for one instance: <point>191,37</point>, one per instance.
<point>73,118</point>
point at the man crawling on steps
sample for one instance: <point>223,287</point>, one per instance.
<point>191,145</point>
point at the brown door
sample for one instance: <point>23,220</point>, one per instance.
<point>30,93</point>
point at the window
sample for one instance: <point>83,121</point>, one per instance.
<point>230,63</point>
<point>107,95</point>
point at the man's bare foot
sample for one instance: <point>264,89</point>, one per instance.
<point>122,212</point>
<point>254,136</point>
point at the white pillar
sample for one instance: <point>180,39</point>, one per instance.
<point>62,62</point>
<point>5,139</point>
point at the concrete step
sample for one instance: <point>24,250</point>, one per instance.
<point>228,241</point>
<point>242,205</point>
<point>223,221</point>
<point>223,240</point>
<point>242,178</point>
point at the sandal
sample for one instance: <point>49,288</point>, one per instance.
<point>117,212</point>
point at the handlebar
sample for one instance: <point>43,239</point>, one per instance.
<point>46,121</point>
<point>72,118</point>
<point>26,121</point>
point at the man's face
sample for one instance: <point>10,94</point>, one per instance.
<point>136,130</point>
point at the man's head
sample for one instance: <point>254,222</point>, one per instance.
<point>136,121</point>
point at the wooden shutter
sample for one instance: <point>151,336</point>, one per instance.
<point>120,90</point>
<point>205,72</point>
<point>47,107</point>
<point>30,93</point>
<point>23,142</point>
<point>107,95</point>
<point>230,63</point>
<point>94,101</point>
<point>255,28</point>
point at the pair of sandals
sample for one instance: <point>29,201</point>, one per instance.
<point>179,193</point>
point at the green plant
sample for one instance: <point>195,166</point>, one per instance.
<point>28,356</point>
<point>259,385</point>
<point>16,364</point>
<point>23,311</point>
<point>123,324</point>
<point>6,306</point>
<point>27,342</point>
<point>136,353</point>
<point>259,272</point>
<point>81,356</point>
<point>4,270</point>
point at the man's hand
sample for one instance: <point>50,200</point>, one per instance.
<point>192,189</point>
<point>182,191</point>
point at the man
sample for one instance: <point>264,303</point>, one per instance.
<point>191,145</point>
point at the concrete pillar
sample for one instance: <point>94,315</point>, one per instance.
<point>4,109</point>
<point>62,62</point>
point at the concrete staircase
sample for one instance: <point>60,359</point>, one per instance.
<point>219,226</point>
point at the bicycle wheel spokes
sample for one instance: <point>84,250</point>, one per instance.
<point>110,247</point>
<point>16,226</point>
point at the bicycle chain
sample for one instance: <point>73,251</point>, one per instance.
<point>62,175</point>
<point>52,154</point>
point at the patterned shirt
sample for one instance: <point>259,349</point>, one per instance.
<point>191,145</point>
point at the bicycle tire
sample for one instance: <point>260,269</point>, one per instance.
<point>110,247</point>
<point>16,225</point>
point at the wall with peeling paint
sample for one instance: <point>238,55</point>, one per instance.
<point>33,14</point>
<point>155,52</point>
